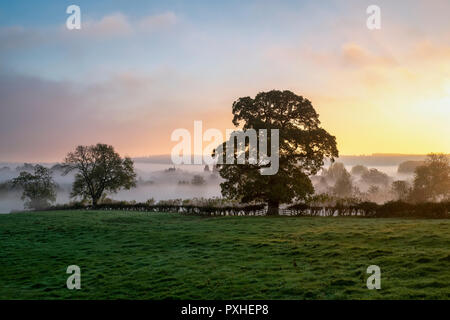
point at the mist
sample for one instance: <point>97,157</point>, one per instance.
<point>159,181</point>
<point>157,178</point>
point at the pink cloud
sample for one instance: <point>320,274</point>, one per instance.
<point>115,24</point>
<point>355,55</point>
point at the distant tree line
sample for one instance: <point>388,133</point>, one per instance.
<point>100,171</point>
<point>431,183</point>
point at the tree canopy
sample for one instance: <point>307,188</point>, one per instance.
<point>99,169</point>
<point>343,187</point>
<point>359,170</point>
<point>303,146</point>
<point>432,180</point>
<point>39,189</point>
<point>374,176</point>
<point>400,189</point>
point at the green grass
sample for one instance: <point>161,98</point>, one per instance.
<point>158,256</point>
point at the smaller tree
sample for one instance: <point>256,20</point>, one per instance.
<point>39,189</point>
<point>343,187</point>
<point>373,194</point>
<point>99,169</point>
<point>400,189</point>
<point>335,171</point>
<point>432,180</point>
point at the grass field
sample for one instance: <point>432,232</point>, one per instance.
<point>158,256</point>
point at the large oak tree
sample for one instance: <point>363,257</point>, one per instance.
<point>303,146</point>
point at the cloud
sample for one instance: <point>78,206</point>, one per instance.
<point>355,55</point>
<point>42,120</point>
<point>109,26</point>
<point>18,37</point>
<point>112,25</point>
<point>118,24</point>
<point>158,22</point>
<point>347,71</point>
<point>430,51</point>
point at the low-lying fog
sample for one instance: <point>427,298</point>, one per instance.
<point>159,181</point>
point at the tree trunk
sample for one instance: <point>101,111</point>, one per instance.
<point>96,197</point>
<point>272,208</point>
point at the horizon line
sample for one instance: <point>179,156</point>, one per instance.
<point>376,154</point>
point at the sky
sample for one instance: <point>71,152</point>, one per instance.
<point>138,70</point>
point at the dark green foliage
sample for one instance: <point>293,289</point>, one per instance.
<point>39,189</point>
<point>392,209</point>
<point>303,147</point>
<point>370,208</point>
<point>99,169</point>
<point>174,206</point>
<point>419,210</point>
<point>336,206</point>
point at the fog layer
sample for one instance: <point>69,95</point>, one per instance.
<point>161,181</point>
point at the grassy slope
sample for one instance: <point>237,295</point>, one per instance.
<point>155,256</point>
